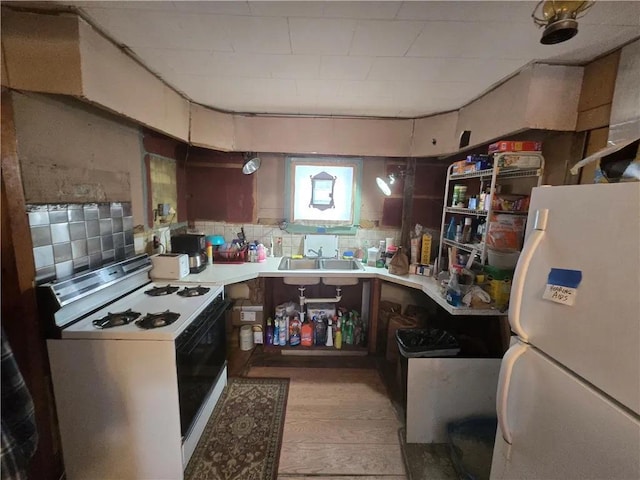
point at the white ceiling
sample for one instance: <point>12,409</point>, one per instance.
<point>390,59</point>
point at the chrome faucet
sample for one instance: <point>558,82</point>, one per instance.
<point>318,253</point>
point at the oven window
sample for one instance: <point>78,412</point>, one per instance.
<point>200,357</point>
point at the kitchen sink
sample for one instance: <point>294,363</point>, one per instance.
<point>288,263</point>
<point>324,266</point>
<point>340,264</point>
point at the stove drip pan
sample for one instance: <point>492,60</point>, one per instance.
<point>157,320</point>
<point>193,291</point>
<point>160,291</point>
<point>116,319</point>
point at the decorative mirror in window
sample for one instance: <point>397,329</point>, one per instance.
<point>322,185</point>
<point>334,199</point>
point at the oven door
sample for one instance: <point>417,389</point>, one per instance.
<point>201,353</point>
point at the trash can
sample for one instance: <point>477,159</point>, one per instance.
<point>471,445</point>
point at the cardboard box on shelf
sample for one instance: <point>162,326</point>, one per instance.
<point>510,146</point>
<point>520,160</point>
<point>244,312</point>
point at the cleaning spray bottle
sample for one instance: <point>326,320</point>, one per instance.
<point>339,332</point>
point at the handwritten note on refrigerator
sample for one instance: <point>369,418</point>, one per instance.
<point>562,286</point>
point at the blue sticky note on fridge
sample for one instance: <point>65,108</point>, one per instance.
<point>562,286</point>
<point>565,278</point>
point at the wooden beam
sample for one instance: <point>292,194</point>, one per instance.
<point>20,319</point>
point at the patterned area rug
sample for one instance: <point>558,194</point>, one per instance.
<point>243,436</point>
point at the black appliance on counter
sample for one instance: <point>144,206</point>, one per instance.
<point>194,245</point>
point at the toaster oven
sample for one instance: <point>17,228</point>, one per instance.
<point>169,266</point>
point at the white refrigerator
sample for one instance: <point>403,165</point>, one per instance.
<point>568,399</point>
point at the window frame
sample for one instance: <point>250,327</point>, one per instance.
<point>338,228</point>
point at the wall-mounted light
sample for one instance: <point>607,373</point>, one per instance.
<point>251,163</point>
<point>559,19</point>
<point>384,184</point>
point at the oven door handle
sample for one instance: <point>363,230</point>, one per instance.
<point>188,345</point>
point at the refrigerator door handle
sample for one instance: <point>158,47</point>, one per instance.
<point>517,287</point>
<point>504,380</point>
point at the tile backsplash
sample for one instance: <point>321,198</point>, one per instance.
<point>73,238</point>
<point>292,244</point>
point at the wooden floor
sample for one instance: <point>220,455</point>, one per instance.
<point>339,423</point>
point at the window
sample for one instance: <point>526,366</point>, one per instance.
<point>323,194</point>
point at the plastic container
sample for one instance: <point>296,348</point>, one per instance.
<point>246,337</point>
<point>503,259</point>
<point>372,256</point>
<point>426,342</point>
<point>471,442</point>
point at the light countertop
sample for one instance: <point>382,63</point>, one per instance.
<point>226,274</point>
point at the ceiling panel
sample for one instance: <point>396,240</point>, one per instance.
<point>383,38</point>
<point>258,34</point>
<point>347,58</point>
<point>345,67</point>
<point>322,36</point>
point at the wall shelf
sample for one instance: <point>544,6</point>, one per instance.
<point>488,179</point>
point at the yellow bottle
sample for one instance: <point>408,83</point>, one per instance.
<point>338,341</point>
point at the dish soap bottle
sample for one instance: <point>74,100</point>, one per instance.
<point>454,293</point>
<point>451,230</point>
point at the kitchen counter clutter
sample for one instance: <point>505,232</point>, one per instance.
<point>226,274</point>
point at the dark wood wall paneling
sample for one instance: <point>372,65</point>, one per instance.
<point>216,188</point>
<point>159,144</point>
<point>210,184</point>
<point>428,195</point>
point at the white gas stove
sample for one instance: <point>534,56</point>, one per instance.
<point>140,302</point>
<point>134,390</point>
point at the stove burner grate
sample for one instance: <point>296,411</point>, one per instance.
<point>157,320</point>
<point>159,291</point>
<point>193,291</point>
<point>116,319</point>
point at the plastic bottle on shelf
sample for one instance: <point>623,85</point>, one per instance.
<point>451,230</point>
<point>466,231</point>
<point>458,237</point>
<point>454,293</point>
<point>276,332</point>
<point>269,333</point>
<point>282,330</point>
<point>338,342</point>
<point>329,342</point>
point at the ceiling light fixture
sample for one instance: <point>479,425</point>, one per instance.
<point>251,163</point>
<point>559,19</point>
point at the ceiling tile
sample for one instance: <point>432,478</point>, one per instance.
<point>219,8</point>
<point>384,38</point>
<point>258,34</point>
<point>286,9</point>
<point>141,5</point>
<point>321,35</point>
<point>314,88</point>
<point>362,10</point>
<point>345,67</point>
<point>161,29</point>
<point>294,66</point>
<point>474,40</point>
<point>189,62</point>
<point>394,68</point>
<point>468,11</point>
